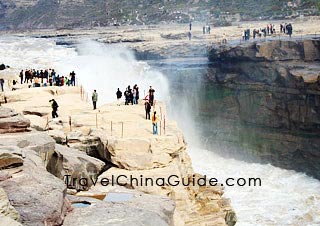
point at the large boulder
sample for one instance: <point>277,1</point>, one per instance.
<point>122,209</point>
<point>40,142</point>
<point>11,122</point>
<point>75,165</point>
<point>141,153</point>
<point>37,195</point>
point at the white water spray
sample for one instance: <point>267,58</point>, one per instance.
<point>106,68</point>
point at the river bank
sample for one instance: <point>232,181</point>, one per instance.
<point>85,150</point>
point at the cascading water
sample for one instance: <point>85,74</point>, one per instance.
<point>285,197</point>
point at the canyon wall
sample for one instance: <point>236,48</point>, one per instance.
<point>269,102</point>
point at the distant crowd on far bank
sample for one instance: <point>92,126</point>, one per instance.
<point>269,30</point>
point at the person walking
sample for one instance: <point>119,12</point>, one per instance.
<point>119,95</point>
<point>94,99</point>
<point>54,106</point>
<point>147,107</point>
<point>21,77</point>
<point>155,123</point>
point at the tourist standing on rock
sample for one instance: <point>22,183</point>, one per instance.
<point>1,84</point>
<point>190,26</point>
<point>53,75</point>
<point>189,35</point>
<point>54,106</point>
<point>21,77</point>
<point>155,123</point>
<point>289,30</point>
<point>73,78</point>
<point>126,97</point>
<point>119,95</point>
<point>136,88</point>
<point>94,99</point>
<point>151,95</point>
<point>147,107</point>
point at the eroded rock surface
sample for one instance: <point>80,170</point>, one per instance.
<point>76,164</point>
<point>11,122</point>
<point>131,208</point>
<point>37,195</point>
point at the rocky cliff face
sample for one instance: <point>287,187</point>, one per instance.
<point>271,100</point>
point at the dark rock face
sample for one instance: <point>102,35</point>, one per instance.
<point>271,102</point>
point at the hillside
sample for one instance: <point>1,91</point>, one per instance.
<point>30,14</point>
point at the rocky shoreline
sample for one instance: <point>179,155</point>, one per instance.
<point>36,155</point>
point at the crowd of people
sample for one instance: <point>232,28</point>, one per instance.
<point>269,30</point>
<point>132,96</point>
<point>46,77</point>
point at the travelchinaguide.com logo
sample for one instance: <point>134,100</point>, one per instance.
<point>172,180</point>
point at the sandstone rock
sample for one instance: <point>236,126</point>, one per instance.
<point>10,122</point>
<point>40,142</point>
<point>133,208</point>
<point>89,144</point>
<point>40,196</point>
<point>10,157</point>
<point>76,164</point>
<point>6,209</point>
<point>141,153</point>
<point>7,221</point>
<point>38,111</point>
<point>58,135</point>
<point>38,123</point>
